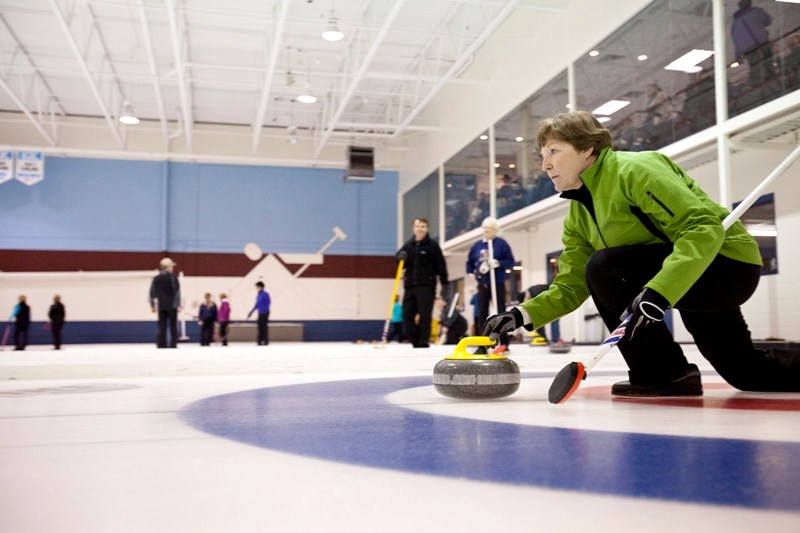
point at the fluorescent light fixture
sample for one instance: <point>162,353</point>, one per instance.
<point>594,53</point>
<point>689,62</point>
<point>642,57</point>
<point>611,107</point>
<point>789,1</point>
<point>307,98</point>
<point>603,119</point>
<point>519,139</point>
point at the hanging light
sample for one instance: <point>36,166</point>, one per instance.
<point>127,116</point>
<point>307,98</point>
<point>332,32</point>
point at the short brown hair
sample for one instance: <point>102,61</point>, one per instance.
<point>578,128</point>
<point>423,220</point>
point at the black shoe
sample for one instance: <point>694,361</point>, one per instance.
<point>687,385</point>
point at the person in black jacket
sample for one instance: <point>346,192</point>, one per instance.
<point>22,322</point>
<point>165,298</point>
<point>57,315</point>
<point>424,262</point>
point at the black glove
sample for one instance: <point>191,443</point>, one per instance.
<point>402,255</point>
<point>503,322</point>
<point>648,307</point>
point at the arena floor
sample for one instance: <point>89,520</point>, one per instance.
<point>354,438</point>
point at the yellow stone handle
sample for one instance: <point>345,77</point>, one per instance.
<point>461,349</point>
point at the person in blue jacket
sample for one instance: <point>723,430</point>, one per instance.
<point>480,264</point>
<point>262,306</point>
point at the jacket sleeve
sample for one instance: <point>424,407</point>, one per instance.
<point>506,256</point>
<point>667,196</point>
<point>569,289</point>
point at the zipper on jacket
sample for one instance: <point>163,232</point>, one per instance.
<point>659,202</point>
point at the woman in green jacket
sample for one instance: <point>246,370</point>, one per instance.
<point>640,237</point>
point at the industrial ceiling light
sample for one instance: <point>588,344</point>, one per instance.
<point>127,116</point>
<point>307,98</point>
<point>332,32</point>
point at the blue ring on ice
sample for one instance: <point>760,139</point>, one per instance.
<point>352,422</point>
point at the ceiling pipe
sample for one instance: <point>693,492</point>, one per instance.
<point>151,61</point>
<point>186,100</point>
<point>88,75</point>
<point>280,26</point>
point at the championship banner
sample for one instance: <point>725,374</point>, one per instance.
<point>29,167</point>
<point>6,166</point>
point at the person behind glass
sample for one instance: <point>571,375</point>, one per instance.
<point>57,315</point>
<point>424,263</point>
<point>207,317</point>
<point>223,318</point>
<point>262,306</point>
<point>396,321</point>
<point>751,41</point>
<point>22,322</point>
<point>165,299</point>
<point>481,264</point>
<point>640,237</point>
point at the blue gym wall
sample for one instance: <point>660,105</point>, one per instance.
<point>145,206</point>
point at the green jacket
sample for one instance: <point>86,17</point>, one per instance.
<point>669,201</point>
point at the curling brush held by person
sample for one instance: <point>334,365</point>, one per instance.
<point>640,237</point>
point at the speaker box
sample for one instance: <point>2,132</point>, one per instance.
<point>360,163</point>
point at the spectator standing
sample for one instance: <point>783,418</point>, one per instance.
<point>423,265</point>
<point>165,299</point>
<point>262,305</point>
<point>751,41</point>
<point>206,318</point>
<point>57,315</point>
<point>480,264</point>
<point>22,323</point>
<point>224,318</point>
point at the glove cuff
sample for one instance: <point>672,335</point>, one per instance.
<point>655,298</point>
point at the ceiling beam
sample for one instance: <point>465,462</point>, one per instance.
<point>183,88</point>
<point>28,113</point>
<point>151,61</point>
<point>280,26</point>
<point>86,73</point>
<point>376,42</point>
<point>465,57</point>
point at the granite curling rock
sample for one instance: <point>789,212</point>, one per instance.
<point>476,376</point>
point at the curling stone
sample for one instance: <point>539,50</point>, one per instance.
<point>538,339</point>
<point>476,376</point>
<point>560,347</point>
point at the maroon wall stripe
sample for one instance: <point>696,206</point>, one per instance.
<point>191,264</point>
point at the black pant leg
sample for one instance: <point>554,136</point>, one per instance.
<point>172,321</point>
<point>161,336</point>
<point>425,297</point>
<point>263,333</point>
<point>56,327</point>
<point>615,276</point>
<point>410,306</point>
<point>711,313</point>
